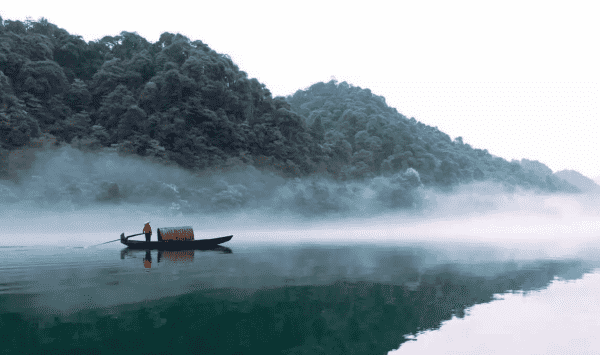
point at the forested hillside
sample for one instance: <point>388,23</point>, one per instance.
<point>179,101</point>
<point>364,137</point>
<point>174,99</point>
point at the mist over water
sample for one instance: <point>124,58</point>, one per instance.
<point>69,197</point>
<point>374,260</point>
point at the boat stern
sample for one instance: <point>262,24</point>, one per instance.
<point>123,238</point>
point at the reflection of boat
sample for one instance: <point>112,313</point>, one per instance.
<point>175,238</point>
<point>176,255</point>
<point>172,255</point>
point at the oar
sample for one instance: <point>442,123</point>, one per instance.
<point>105,243</point>
<point>116,240</point>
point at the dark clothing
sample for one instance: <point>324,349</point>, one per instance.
<point>148,236</point>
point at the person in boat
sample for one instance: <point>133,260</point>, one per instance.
<point>147,231</point>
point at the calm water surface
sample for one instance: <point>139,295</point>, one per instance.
<point>295,299</point>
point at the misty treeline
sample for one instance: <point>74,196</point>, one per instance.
<point>178,101</point>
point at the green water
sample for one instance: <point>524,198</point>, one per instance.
<point>248,298</point>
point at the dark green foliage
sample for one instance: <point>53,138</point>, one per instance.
<point>114,107</point>
<point>10,60</point>
<point>364,137</point>
<point>142,63</point>
<point>17,126</point>
<point>108,77</point>
<point>6,90</point>
<point>203,111</point>
<point>39,47</point>
<point>16,27</point>
<point>77,125</point>
<point>130,121</point>
<point>316,130</point>
<point>173,88</point>
<point>129,44</point>
<point>78,96</point>
<point>42,79</point>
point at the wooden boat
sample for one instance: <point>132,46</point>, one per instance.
<point>175,244</point>
<point>174,238</point>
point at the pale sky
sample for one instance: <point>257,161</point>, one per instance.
<point>517,78</point>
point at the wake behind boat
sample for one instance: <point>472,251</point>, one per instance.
<point>174,238</point>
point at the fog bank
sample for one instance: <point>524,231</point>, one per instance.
<point>70,196</point>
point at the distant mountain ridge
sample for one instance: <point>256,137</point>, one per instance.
<point>572,177</point>
<point>582,182</point>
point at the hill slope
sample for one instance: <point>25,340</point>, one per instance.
<point>179,101</point>
<point>363,137</point>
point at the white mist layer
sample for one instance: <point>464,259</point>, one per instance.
<point>259,207</point>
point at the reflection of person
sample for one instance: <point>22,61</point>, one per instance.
<point>147,260</point>
<point>147,231</point>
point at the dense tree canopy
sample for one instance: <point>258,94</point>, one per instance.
<point>364,138</point>
<point>180,101</point>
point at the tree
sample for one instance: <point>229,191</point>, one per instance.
<point>43,27</point>
<point>17,127</point>
<point>77,125</point>
<point>130,122</point>
<point>76,55</point>
<point>129,44</point>
<point>110,42</point>
<point>364,156</point>
<point>114,106</point>
<point>316,130</point>
<point>78,96</point>
<point>478,174</point>
<point>106,80</point>
<point>43,79</point>
<point>39,47</point>
<point>361,140</point>
<point>341,150</point>
<point>220,131</point>
<point>149,97</point>
<point>142,63</point>
<point>194,67</point>
<point>16,27</point>
<point>11,62</point>
<point>349,125</point>
<point>6,89</point>
<point>175,48</point>
<point>289,123</point>
<point>172,88</point>
<point>448,173</point>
